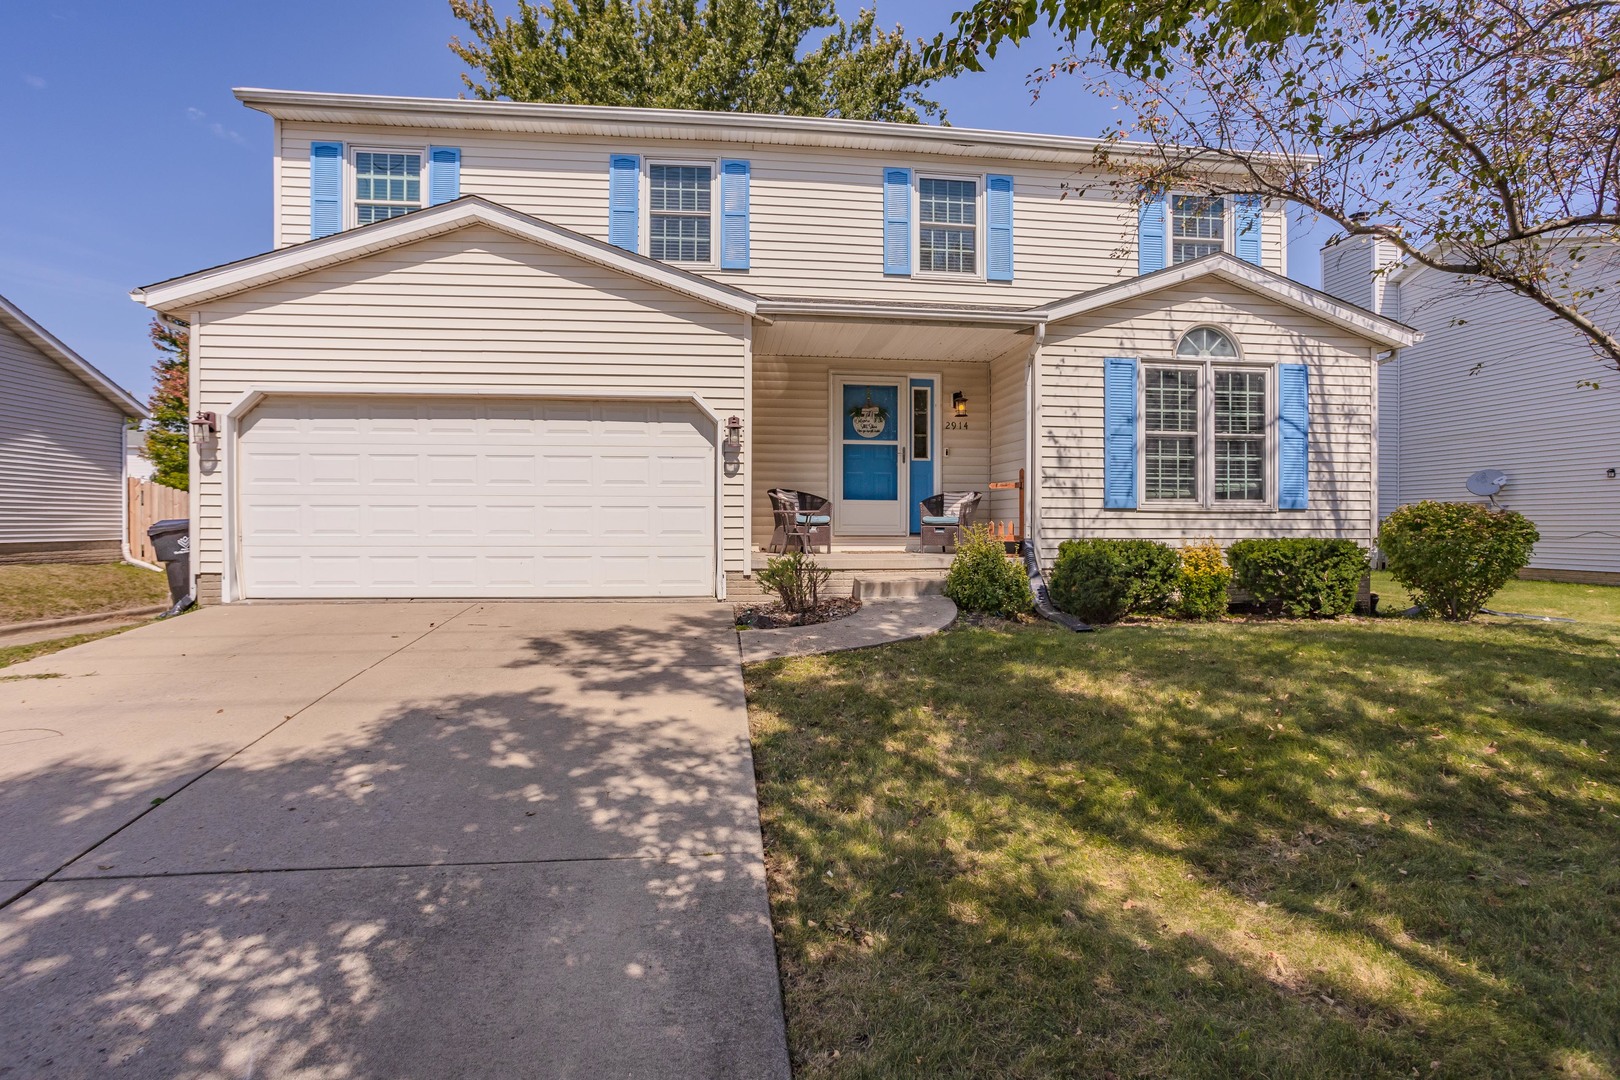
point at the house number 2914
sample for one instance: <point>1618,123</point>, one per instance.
<point>956,425</point>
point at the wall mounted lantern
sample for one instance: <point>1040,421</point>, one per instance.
<point>734,430</point>
<point>204,426</point>
<point>959,403</point>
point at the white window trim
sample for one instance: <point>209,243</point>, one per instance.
<point>1228,227</point>
<point>645,208</point>
<point>1204,441</point>
<point>979,182</point>
<point>351,175</point>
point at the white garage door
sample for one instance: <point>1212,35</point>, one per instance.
<point>488,497</point>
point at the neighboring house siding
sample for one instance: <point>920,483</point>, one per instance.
<point>816,213</point>
<point>61,453</point>
<point>473,308</point>
<point>790,442</point>
<point>1522,411</point>
<point>1071,444</point>
<point>1007,430</point>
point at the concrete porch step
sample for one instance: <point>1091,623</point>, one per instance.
<point>898,588</point>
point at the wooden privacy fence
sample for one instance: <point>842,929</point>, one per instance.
<point>151,502</point>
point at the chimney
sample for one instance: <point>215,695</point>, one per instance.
<point>1349,265</point>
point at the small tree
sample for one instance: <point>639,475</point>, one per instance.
<point>1480,138</point>
<point>796,579</point>
<point>1453,557</point>
<point>785,57</point>
<point>168,439</point>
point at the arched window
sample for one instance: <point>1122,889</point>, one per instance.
<point>1206,343</point>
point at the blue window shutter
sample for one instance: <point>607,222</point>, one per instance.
<point>1248,228</point>
<point>444,174</point>
<point>325,189</point>
<point>734,215</point>
<point>1119,433</point>
<point>897,221</point>
<point>1293,437</point>
<point>624,201</point>
<point>999,223</point>
<point>1150,241</point>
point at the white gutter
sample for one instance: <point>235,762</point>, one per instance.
<point>898,313</point>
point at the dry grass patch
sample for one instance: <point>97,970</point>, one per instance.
<point>30,591</point>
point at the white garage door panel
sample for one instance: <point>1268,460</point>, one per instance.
<point>399,498</point>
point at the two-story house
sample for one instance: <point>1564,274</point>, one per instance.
<point>505,349</point>
<point>1496,384</point>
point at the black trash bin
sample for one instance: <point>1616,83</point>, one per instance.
<point>172,541</point>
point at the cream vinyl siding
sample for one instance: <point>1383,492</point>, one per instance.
<point>790,442</point>
<point>1522,412</point>
<point>1071,444</point>
<point>816,220</point>
<point>61,452</point>
<point>1007,418</point>
<point>476,308</point>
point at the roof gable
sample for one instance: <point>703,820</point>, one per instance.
<point>1224,267</point>
<point>178,294</point>
<point>36,335</point>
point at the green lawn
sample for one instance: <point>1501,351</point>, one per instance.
<point>32,591</point>
<point>1380,848</point>
<point>1587,603</point>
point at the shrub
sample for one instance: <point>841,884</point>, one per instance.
<point>1300,576</point>
<point>796,579</point>
<point>983,579</point>
<point>1103,581</point>
<point>1452,557</point>
<point>1203,582</point>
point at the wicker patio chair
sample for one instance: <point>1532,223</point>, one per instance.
<point>801,518</point>
<point>945,515</point>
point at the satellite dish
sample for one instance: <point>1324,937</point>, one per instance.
<point>1487,482</point>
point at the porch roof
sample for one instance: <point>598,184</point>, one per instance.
<point>887,330</point>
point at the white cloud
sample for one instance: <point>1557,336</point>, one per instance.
<point>35,81</point>
<point>215,128</point>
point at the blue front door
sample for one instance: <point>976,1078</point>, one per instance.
<point>870,425</point>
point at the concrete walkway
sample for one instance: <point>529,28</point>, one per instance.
<point>877,623</point>
<point>387,840</point>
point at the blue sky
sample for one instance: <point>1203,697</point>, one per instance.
<point>131,162</point>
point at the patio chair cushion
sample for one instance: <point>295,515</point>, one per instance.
<point>951,519</point>
<point>814,519</point>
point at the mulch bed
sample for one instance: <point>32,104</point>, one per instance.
<point>768,615</point>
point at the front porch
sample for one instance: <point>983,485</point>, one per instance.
<point>875,414</point>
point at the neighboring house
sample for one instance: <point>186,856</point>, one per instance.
<point>504,349</point>
<point>1496,383</point>
<point>62,427</point>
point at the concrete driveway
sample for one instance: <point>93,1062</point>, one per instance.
<point>387,840</point>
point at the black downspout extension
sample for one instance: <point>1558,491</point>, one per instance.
<point>1043,599</point>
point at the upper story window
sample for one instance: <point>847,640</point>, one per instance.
<point>1197,227</point>
<point>387,184</point>
<point>1205,428</point>
<point>680,212</point>
<point>947,225</point>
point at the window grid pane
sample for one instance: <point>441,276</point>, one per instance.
<point>1240,471</point>
<point>386,185</point>
<point>1172,400</point>
<point>947,250</point>
<point>680,239</point>
<point>1197,227</point>
<point>1170,468</point>
<point>1240,403</point>
<point>948,225</point>
<point>679,204</point>
<point>1170,461</point>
